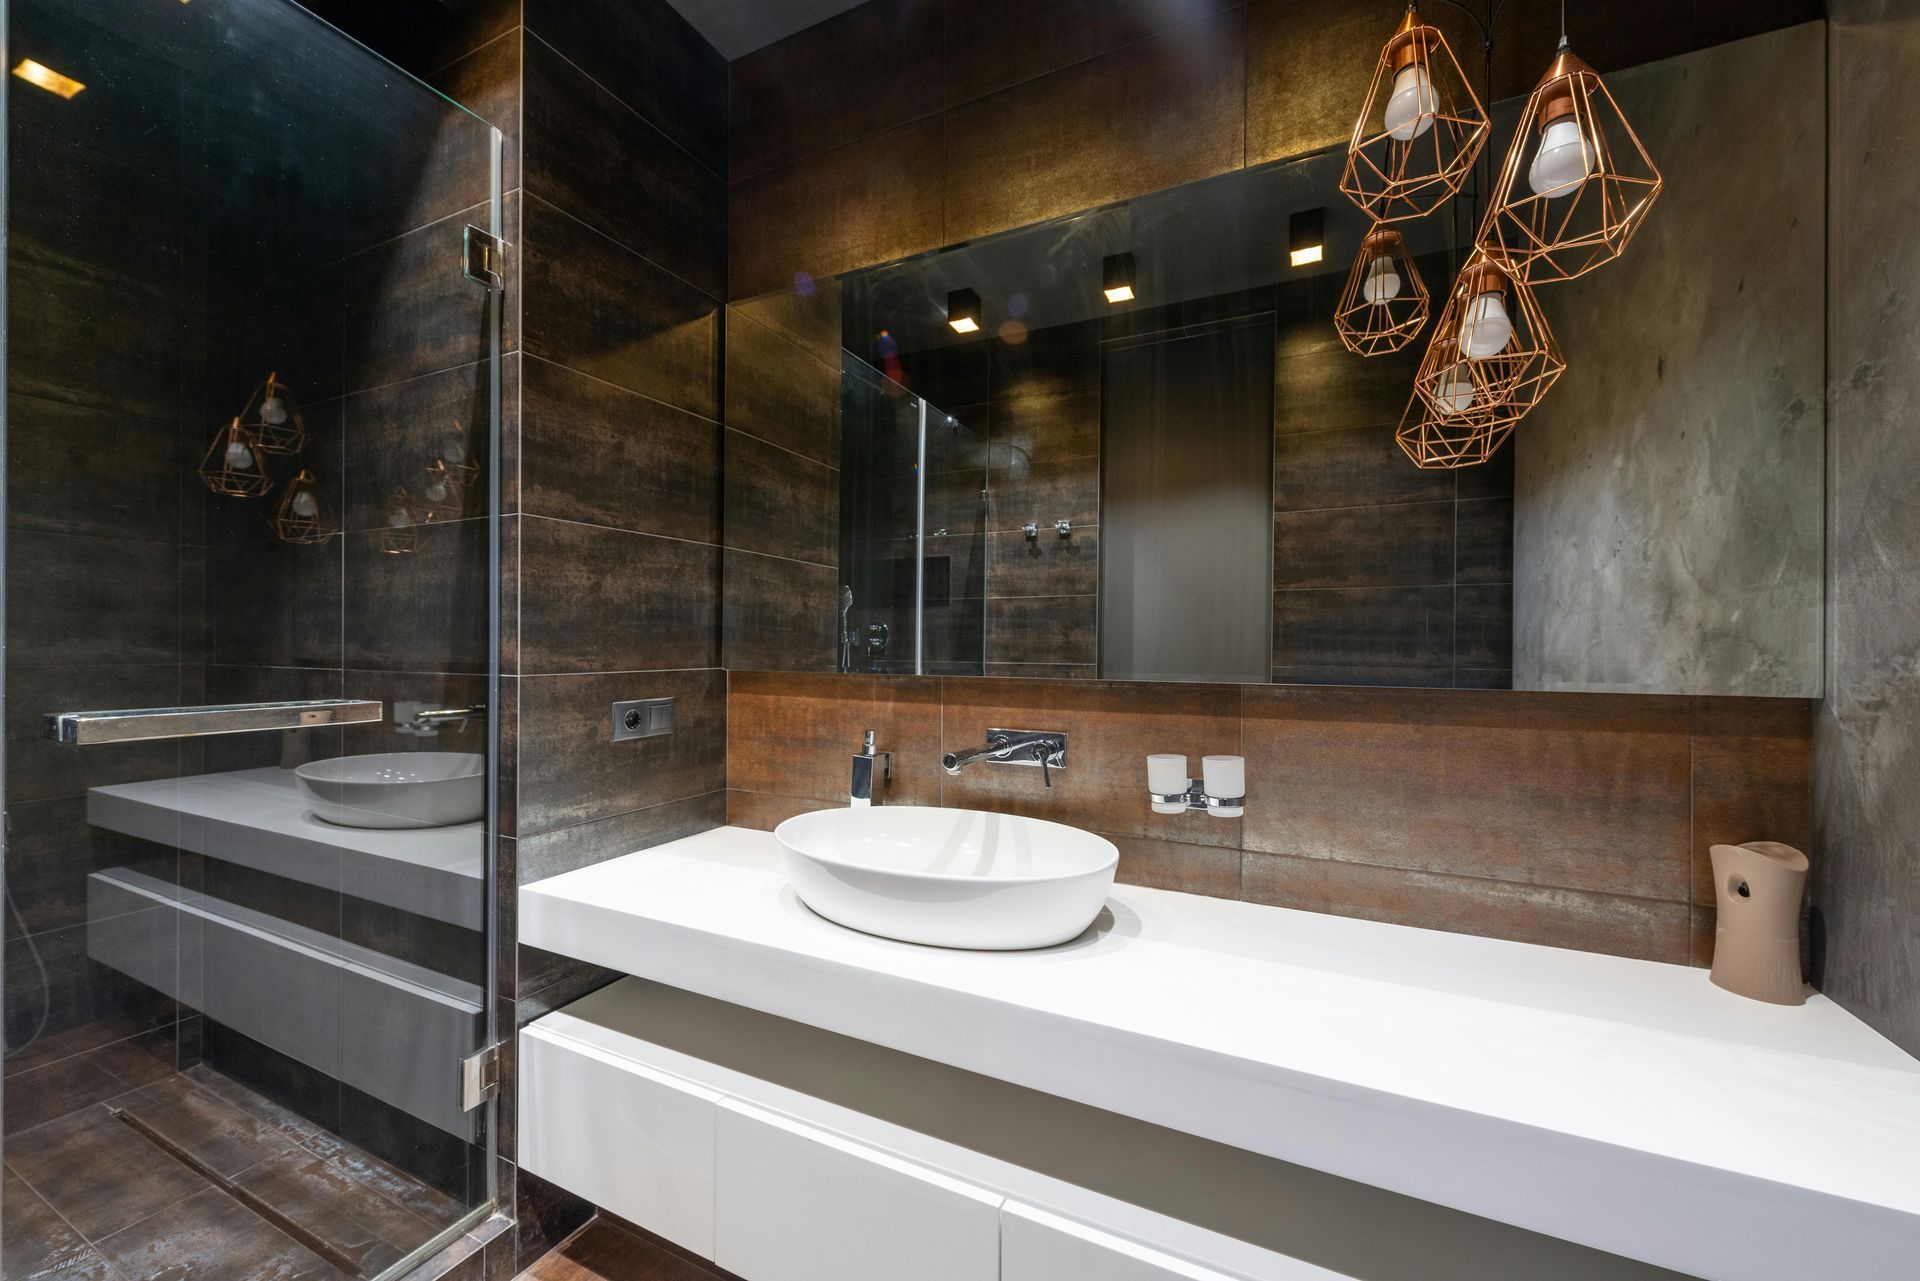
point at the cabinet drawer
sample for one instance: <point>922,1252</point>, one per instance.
<point>1038,1246</point>
<point>638,1142</point>
<point>794,1203</point>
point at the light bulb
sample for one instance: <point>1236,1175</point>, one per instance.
<point>1411,108</point>
<point>1454,394</point>
<point>239,455</point>
<point>304,504</point>
<point>1485,330</point>
<point>1382,283</point>
<point>273,411</point>
<point>1563,161</point>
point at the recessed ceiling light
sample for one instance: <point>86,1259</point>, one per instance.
<point>1116,277</point>
<point>963,311</point>
<point>44,77</point>
<point>1307,237</point>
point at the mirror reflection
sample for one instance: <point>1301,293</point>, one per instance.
<point>1171,440</point>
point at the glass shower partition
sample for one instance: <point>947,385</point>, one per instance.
<point>913,542</point>
<point>250,569</point>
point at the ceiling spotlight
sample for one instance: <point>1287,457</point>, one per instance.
<point>47,78</point>
<point>1306,237</point>
<point>1116,277</point>
<point>963,311</point>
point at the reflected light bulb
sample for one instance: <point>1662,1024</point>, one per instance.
<point>1382,283</point>
<point>1454,394</point>
<point>1411,108</point>
<point>239,455</point>
<point>1485,330</point>
<point>1563,161</point>
<point>304,504</point>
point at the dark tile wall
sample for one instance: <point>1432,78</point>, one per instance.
<point>782,481</point>
<point>612,551</point>
<point>969,117</point>
<point>106,575</point>
<point>1573,820</point>
<point>131,585</point>
<point>1866,871</point>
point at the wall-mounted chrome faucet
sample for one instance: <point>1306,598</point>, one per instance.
<point>427,720</point>
<point>1046,749</point>
<point>860,794</point>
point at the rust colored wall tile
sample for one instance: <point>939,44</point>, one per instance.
<point>868,202</point>
<point>1546,818</point>
<point>796,734</point>
<point>764,813</point>
<point>1160,112</point>
<point>1579,791</point>
<point>1701,947</point>
<point>1112,727</point>
<point>1174,865</point>
<point>1616,925</point>
<point>1752,778</point>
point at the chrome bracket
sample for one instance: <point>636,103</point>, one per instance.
<point>483,259</point>
<point>479,1077</point>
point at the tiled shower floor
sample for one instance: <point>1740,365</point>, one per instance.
<point>90,1197</point>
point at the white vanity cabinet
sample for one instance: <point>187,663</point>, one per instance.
<point>636,1141</point>
<point>695,1120</point>
<point>795,1203</point>
<point>1036,1245</point>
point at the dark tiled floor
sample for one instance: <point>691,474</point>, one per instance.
<point>88,1197</point>
<point>605,1250</point>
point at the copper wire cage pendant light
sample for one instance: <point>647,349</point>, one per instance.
<point>1491,360</point>
<point>1587,189</point>
<point>299,518</point>
<point>1385,303</point>
<point>235,465</point>
<point>1420,128</point>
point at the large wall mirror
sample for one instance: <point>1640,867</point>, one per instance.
<point>1128,443</point>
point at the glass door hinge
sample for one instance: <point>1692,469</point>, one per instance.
<point>479,1078</point>
<point>483,259</point>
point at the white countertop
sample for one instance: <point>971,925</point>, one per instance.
<point>1626,1105</point>
<point>259,819</point>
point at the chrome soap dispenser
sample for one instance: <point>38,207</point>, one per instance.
<point>865,762</point>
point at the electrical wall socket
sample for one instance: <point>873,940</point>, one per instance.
<point>642,718</point>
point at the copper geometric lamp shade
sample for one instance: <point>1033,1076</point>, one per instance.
<point>1435,443</point>
<point>274,419</point>
<point>1576,184</point>
<point>1385,303</point>
<point>1491,360</point>
<point>234,464</point>
<point>400,533</point>
<point>1419,130</point>
<point>299,518</point>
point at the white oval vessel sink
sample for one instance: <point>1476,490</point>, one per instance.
<point>397,789</point>
<point>952,878</point>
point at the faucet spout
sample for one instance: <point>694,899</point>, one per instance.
<point>1046,749</point>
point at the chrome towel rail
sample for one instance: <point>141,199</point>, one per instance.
<point>136,724</point>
